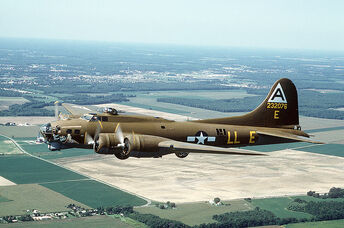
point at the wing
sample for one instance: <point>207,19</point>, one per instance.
<point>147,112</point>
<point>176,146</point>
<point>77,109</point>
<point>286,135</point>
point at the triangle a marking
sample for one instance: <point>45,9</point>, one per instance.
<point>278,95</point>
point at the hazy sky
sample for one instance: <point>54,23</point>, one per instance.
<point>296,24</point>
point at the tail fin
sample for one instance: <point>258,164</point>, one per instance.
<point>279,109</point>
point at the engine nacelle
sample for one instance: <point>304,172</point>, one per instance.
<point>110,143</point>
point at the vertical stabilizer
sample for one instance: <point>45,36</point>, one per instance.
<point>279,109</point>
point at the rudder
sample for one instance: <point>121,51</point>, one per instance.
<point>280,107</point>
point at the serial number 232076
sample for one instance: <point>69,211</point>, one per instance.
<point>277,105</point>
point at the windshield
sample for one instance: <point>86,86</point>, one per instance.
<point>87,117</point>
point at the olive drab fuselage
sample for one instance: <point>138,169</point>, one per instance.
<point>200,133</point>
<point>275,120</point>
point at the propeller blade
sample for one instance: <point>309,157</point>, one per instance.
<point>119,134</point>
<point>99,128</point>
<point>57,110</point>
<point>88,139</point>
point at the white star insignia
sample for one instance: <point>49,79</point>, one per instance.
<point>201,138</point>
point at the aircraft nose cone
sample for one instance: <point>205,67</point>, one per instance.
<point>46,129</point>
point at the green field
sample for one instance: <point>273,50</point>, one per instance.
<point>41,150</point>
<point>32,196</point>
<point>322,224</point>
<point>19,131</point>
<point>5,102</point>
<point>276,147</point>
<point>95,194</point>
<point>328,149</point>
<point>196,213</point>
<point>3,199</point>
<point>325,129</point>
<point>94,221</point>
<point>13,99</point>
<point>199,94</point>
<point>8,147</point>
<point>23,169</point>
<point>278,206</point>
<point>148,100</point>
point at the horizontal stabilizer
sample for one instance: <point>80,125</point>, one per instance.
<point>285,135</point>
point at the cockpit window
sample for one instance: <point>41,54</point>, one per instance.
<point>94,118</point>
<point>89,117</point>
<point>86,117</point>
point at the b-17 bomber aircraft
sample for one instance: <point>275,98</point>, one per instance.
<point>275,120</point>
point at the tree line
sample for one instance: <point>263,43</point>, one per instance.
<point>83,99</point>
<point>37,108</point>
<point>32,108</point>
<point>225,105</point>
<point>311,103</point>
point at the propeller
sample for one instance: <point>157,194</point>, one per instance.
<point>119,135</point>
<point>57,110</point>
<point>89,140</point>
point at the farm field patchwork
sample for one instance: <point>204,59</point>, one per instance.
<point>23,169</point>
<point>32,196</point>
<point>95,194</point>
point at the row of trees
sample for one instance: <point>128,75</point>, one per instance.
<point>154,221</point>
<point>167,205</point>
<point>37,108</point>
<point>256,217</point>
<point>23,218</point>
<point>117,210</point>
<point>33,108</point>
<point>311,103</point>
<point>231,105</point>
<point>9,93</point>
<point>83,99</point>
<point>333,193</point>
<point>321,210</point>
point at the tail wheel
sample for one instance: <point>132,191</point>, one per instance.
<point>125,152</point>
